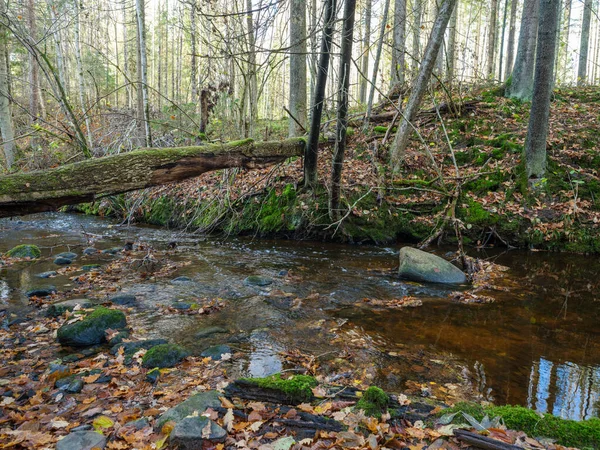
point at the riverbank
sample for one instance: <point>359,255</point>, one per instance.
<point>107,390</point>
<point>493,209</point>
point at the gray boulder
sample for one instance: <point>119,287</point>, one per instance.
<point>417,265</point>
<point>62,261</point>
<point>198,402</point>
<point>193,433</point>
<point>92,329</point>
<point>256,280</point>
<point>81,440</point>
<point>41,291</point>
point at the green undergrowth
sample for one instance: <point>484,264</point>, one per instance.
<point>297,388</point>
<point>571,433</point>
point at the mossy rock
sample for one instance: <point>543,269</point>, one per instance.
<point>58,309</point>
<point>570,433</point>
<point>91,267</point>
<point>24,251</point>
<point>373,402</point>
<point>196,403</point>
<point>297,389</point>
<point>164,355</point>
<point>92,329</point>
<point>417,265</point>
<point>256,280</point>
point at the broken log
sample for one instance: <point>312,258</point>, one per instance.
<point>48,190</point>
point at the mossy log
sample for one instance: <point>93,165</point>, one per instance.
<point>48,190</point>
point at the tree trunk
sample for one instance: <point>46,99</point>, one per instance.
<point>416,47</point>
<point>194,63</point>
<point>144,104</point>
<point>252,68</point>
<point>451,54</point>
<point>398,43</point>
<point>537,132</point>
<point>297,67</point>
<point>312,149</point>
<point>386,10</point>
<point>78,5</point>
<point>568,6</point>
<point>520,84</point>
<point>128,87</point>
<point>510,49</point>
<point>48,190</point>
<point>364,60</point>
<point>342,112</point>
<point>6,123</point>
<point>501,58</point>
<point>418,92</point>
<point>34,83</point>
<point>585,43</point>
<point>491,49</point>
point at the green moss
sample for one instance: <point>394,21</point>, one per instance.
<point>566,432</point>
<point>373,402</point>
<point>297,388</point>
<point>24,251</point>
<point>164,355</point>
<point>92,329</point>
<point>475,214</point>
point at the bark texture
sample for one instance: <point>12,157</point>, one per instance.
<point>510,49</point>
<point>398,43</point>
<point>6,124</point>
<point>520,84</point>
<point>537,132</point>
<point>585,43</point>
<point>297,67</point>
<point>364,60</point>
<point>48,190</point>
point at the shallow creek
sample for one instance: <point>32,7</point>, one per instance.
<point>537,345</point>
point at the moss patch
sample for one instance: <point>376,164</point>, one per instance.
<point>373,402</point>
<point>297,389</point>
<point>163,356</point>
<point>584,434</point>
<point>24,251</point>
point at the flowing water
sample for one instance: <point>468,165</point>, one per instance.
<point>537,345</point>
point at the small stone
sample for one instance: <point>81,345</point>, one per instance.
<point>133,347</point>
<point>90,251</point>
<point>82,440</point>
<point>164,355</point>
<point>48,274</point>
<point>57,372</point>
<point>84,427</point>
<point>90,267</point>
<point>67,255</point>
<point>283,273</point>
<point>255,280</point>
<point>123,300</point>
<point>41,291</point>
<point>209,331</point>
<point>153,375</point>
<point>71,384</point>
<point>216,352</point>
<point>182,280</point>
<point>192,433</point>
<point>62,261</point>
<point>181,305</point>
<point>112,251</point>
<point>196,403</point>
<point>118,338</point>
<point>24,251</point>
<point>139,424</point>
<point>58,309</point>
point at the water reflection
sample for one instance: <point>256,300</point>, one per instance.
<point>566,390</point>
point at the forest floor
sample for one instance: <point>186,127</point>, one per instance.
<point>494,205</point>
<point>49,391</point>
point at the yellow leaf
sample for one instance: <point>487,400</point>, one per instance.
<point>102,422</point>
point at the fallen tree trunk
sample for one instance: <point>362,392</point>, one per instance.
<point>47,190</point>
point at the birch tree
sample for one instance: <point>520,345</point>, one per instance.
<point>398,43</point>
<point>143,100</point>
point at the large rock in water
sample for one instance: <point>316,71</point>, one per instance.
<point>24,251</point>
<point>92,329</point>
<point>198,402</point>
<point>418,265</point>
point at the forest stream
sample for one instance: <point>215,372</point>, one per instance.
<point>537,344</point>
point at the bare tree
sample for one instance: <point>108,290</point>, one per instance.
<point>364,60</point>
<point>297,123</point>
<point>491,44</point>
<point>312,148</point>
<point>143,100</point>
<point>418,92</point>
<point>386,9</point>
<point>398,43</point>
<point>510,47</point>
<point>6,123</point>
<point>417,12</point>
<point>342,110</point>
<point>585,43</point>
<point>78,6</point>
